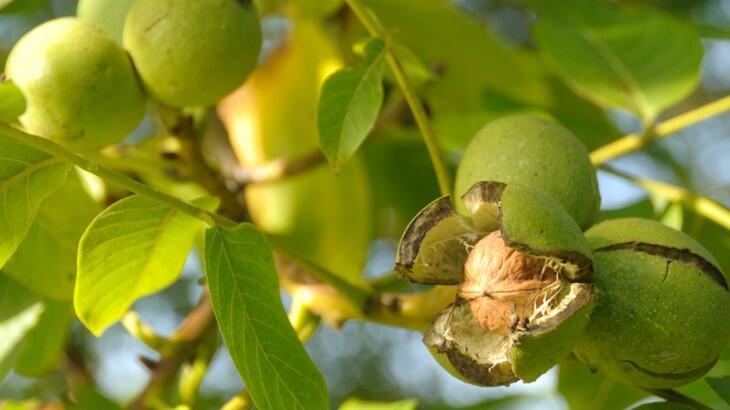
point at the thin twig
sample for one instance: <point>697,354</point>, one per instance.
<point>52,148</point>
<point>356,294</point>
<point>674,396</point>
<point>369,21</point>
<point>191,332</point>
<point>700,204</point>
<point>635,142</point>
<point>187,129</point>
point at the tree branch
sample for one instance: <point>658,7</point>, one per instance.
<point>701,205</point>
<point>369,21</point>
<point>185,340</point>
<point>56,150</point>
<point>635,142</point>
<point>187,129</point>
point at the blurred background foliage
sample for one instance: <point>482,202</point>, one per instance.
<point>471,61</point>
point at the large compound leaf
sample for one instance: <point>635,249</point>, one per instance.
<point>244,289</point>
<point>134,248</point>
<point>635,58</point>
<point>53,238</point>
<point>19,312</point>
<point>349,104</point>
<point>27,176</point>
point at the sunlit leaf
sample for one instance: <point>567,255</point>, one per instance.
<point>244,289</point>
<point>349,104</point>
<point>19,312</point>
<point>43,346</point>
<point>634,58</point>
<point>53,238</point>
<point>27,176</point>
<point>12,101</point>
<point>674,216</point>
<point>585,390</point>
<point>502,403</point>
<point>134,248</point>
<point>357,404</point>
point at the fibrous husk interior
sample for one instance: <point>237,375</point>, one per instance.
<point>506,289</point>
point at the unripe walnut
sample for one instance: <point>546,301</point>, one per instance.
<point>521,265</point>
<point>535,152</point>
<point>192,53</point>
<point>80,86</point>
<point>662,305</point>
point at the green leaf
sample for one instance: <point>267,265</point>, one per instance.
<point>19,8</point>
<point>244,290</point>
<point>134,248</point>
<point>53,238</point>
<point>673,216</point>
<point>349,104</point>
<point>89,399</point>
<point>357,404</point>
<point>502,403</point>
<point>713,236</point>
<point>721,386</point>
<point>12,101</point>
<point>585,390</point>
<point>634,58</point>
<point>19,312</point>
<point>5,3</point>
<point>27,176</point>
<point>396,200</point>
<point>43,346</point>
<point>471,60</point>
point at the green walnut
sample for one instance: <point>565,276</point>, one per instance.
<point>535,152</point>
<point>192,53</point>
<point>522,267</point>
<point>108,14</point>
<point>80,87</point>
<point>662,305</point>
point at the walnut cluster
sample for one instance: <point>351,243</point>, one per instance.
<point>504,287</point>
